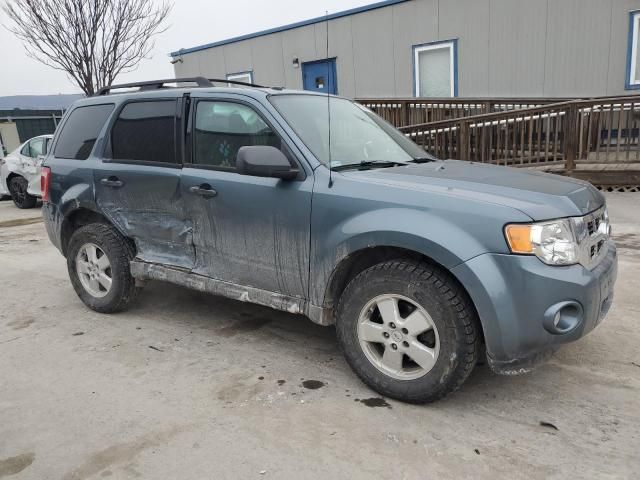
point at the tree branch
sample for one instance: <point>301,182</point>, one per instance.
<point>93,41</point>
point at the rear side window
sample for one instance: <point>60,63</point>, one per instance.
<point>36,147</point>
<point>145,131</point>
<point>81,130</point>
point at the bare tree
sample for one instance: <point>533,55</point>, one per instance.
<point>92,40</point>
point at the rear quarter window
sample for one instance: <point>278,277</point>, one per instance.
<point>81,130</point>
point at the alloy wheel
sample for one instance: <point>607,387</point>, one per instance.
<point>398,337</point>
<point>94,270</point>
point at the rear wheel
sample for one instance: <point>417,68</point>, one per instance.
<point>18,190</point>
<point>408,330</point>
<point>98,262</point>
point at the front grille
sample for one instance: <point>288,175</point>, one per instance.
<point>592,232</point>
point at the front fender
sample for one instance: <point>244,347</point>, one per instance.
<point>449,241</point>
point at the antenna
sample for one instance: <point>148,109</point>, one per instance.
<point>329,99</point>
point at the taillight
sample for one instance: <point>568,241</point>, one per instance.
<point>45,183</point>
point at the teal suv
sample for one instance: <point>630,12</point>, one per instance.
<point>314,205</point>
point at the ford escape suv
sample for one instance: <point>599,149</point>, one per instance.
<point>261,195</point>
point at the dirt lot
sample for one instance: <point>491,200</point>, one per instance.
<point>190,386</point>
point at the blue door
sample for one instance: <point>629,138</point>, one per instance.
<point>320,76</point>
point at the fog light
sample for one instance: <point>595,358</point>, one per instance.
<point>563,317</point>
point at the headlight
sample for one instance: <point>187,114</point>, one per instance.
<point>552,242</point>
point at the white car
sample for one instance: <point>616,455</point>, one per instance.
<point>20,171</point>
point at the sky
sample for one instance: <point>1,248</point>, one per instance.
<point>191,23</point>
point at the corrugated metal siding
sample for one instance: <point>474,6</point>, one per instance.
<point>517,47</point>
<point>505,47</point>
<point>414,23</point>
<point>32,123</point>
<point>577,47</point>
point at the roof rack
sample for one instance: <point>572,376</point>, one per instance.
<point>235,82</point>
<point>158,84</point>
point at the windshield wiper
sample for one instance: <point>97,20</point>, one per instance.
<point>368,164</point>
<point>424,159</point>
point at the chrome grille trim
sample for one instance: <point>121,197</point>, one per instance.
<point>592,235</point>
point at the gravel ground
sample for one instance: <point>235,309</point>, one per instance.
<point>190,386</point>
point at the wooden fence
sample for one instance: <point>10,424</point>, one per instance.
<point>595,139</point>
<point>412,111</point>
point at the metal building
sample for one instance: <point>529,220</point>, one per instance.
<point>441,48</point>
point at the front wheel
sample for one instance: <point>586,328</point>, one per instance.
<point>18,190</point>
<point>98,262</point>
<point>408,330</point>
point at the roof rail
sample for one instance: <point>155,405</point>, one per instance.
<point>235,82</point>
<point>157,84</point>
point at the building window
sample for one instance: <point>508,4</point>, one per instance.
<point>633,55</point>
<point>246,77</point>
<point>435,69</point>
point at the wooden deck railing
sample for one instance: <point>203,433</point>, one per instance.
<point>579,137</point>
<point>411,111</point>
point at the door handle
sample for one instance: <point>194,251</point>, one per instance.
<point>112,182</point>
<point>204,191</point>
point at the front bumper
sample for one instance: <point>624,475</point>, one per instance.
<point>512,294</point>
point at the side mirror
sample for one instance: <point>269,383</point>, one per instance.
<point>264,161</point>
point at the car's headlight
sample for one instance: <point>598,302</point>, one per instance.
<point>552,242</point>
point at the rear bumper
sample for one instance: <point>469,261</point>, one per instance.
<point>517,297</point>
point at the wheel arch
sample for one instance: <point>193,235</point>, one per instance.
<point>11,175</point>
<point>361,259</point>
<point>80,217</point>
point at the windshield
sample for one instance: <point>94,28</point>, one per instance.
<point>358,136</point>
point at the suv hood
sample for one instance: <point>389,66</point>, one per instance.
<point>541,196</point>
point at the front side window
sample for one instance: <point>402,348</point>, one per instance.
<point>81,130</point>
<point>145,131</point>
<point>357,134</point>
<point>222,128</point>
<point>633,54</point>
<point>434,66</point>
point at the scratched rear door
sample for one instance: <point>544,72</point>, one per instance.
<point>249,231</point>
<point>138,180</point>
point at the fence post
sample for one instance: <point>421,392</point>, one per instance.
<point>571,137</point>
<point>407,113</point>
<point>463,141</point>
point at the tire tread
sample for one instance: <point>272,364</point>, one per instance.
<point>455,297</point>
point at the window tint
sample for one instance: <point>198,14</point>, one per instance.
<point>223,127</point>
<point>25,150</point>
<point>145,131</point>
<point>36,147</point>
<point>81,130</point>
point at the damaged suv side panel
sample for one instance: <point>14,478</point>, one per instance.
<point>138,181</point>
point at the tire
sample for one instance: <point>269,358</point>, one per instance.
<point>422,298</point>
<point>108,241</point>
<point>18,190</point>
